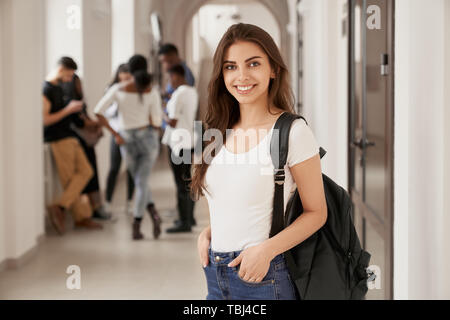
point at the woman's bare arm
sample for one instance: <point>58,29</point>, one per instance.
<point>102,120</point>
<point>308,177</point>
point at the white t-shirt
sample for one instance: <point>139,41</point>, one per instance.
<point>241,189</point>
<point>132,112</point>
<point>112,114</point>
<point>183,107</point>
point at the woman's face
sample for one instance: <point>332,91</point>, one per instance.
<point>246,72</point>
<point>124,76</point>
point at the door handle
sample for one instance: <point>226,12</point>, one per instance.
<point>384,64</point>
<point>363,144</point>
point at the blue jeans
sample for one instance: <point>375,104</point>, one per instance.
<point>224,282</point>
<point>140,152</point>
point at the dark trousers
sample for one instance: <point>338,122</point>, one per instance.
<point>116,160</point>
<point>182,174</point>
<point>89,151</point>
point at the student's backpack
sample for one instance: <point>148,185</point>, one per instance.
<point>330,264</point>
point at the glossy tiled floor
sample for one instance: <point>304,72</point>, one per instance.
<point>112,265</point>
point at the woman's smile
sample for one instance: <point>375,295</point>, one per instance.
<point>245,89</point>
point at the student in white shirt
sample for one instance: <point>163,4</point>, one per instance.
<point>179,137</point>
<point>112,114</point>
<point>249,90</point>
<point>140,116</point>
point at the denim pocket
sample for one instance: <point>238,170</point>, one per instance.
<point>268,278</point>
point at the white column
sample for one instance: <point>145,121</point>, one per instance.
<point>123,39</point>
<point>420,218</point>
<point>21,164</point>
<point>401,152</point>
<point>325,76</point>
<point>63,32</point>
<point>142,27</point>
<point>97,73</point>
<point>3,10</point>
<point>445,283</point>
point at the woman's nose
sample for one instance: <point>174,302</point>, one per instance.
<point>243,74</point>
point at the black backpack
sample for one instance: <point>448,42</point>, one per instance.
<point>330,264</point>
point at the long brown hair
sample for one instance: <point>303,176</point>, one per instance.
<point>223,109</point>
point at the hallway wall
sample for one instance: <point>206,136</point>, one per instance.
<point>176,19</point>
<point>122,16</point>
<point>131,31</point>
<point>325,81</point>
<point>21,164</point>
<point>63,20</point>
<point>446,241</point>
<point>3,8</point>
<point>97,73</point>
<point>421,246</point>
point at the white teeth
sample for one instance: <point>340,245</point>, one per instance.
<point>244,88</point>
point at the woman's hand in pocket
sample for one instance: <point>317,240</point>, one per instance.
<point>203,242</point>
<point>255,263</point>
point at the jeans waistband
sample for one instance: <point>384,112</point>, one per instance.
<point>139,129</point>
<point>224,258</point>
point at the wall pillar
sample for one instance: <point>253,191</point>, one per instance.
<point>21,164</point>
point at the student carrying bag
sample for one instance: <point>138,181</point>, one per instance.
<point>330,264</point>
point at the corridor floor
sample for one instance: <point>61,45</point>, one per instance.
<point>112,266</point>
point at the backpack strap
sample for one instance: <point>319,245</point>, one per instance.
<point>279,148</point>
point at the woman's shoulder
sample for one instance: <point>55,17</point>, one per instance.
<point>115,87</point>
<point>302,142</point>
<point>299,123</point>
<point>130,87</point>
<point>300,130</point>
<point>185,91</point>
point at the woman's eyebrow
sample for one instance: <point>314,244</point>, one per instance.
<point>234,62</point>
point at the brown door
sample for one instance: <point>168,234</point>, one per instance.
<point>371,135</point>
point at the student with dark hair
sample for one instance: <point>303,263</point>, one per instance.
<point>182,109</point>
<point>249,90</point>
<point>72,164</point>
<point>122,75</point>
<point>136,63</point>
<point>68,63</point>
<point>177,71</point>
<point>168,48</point>
<point>139,107</point>
<point>139,63</point>
<point>168,57</point>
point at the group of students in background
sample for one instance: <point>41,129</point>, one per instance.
<point>139,117</point>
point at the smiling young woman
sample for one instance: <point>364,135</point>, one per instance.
<point>249,90</point>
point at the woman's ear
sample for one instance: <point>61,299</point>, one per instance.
<point>274,74</point>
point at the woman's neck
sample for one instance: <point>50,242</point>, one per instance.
<point>131,87</point>
<point>255,114</point>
